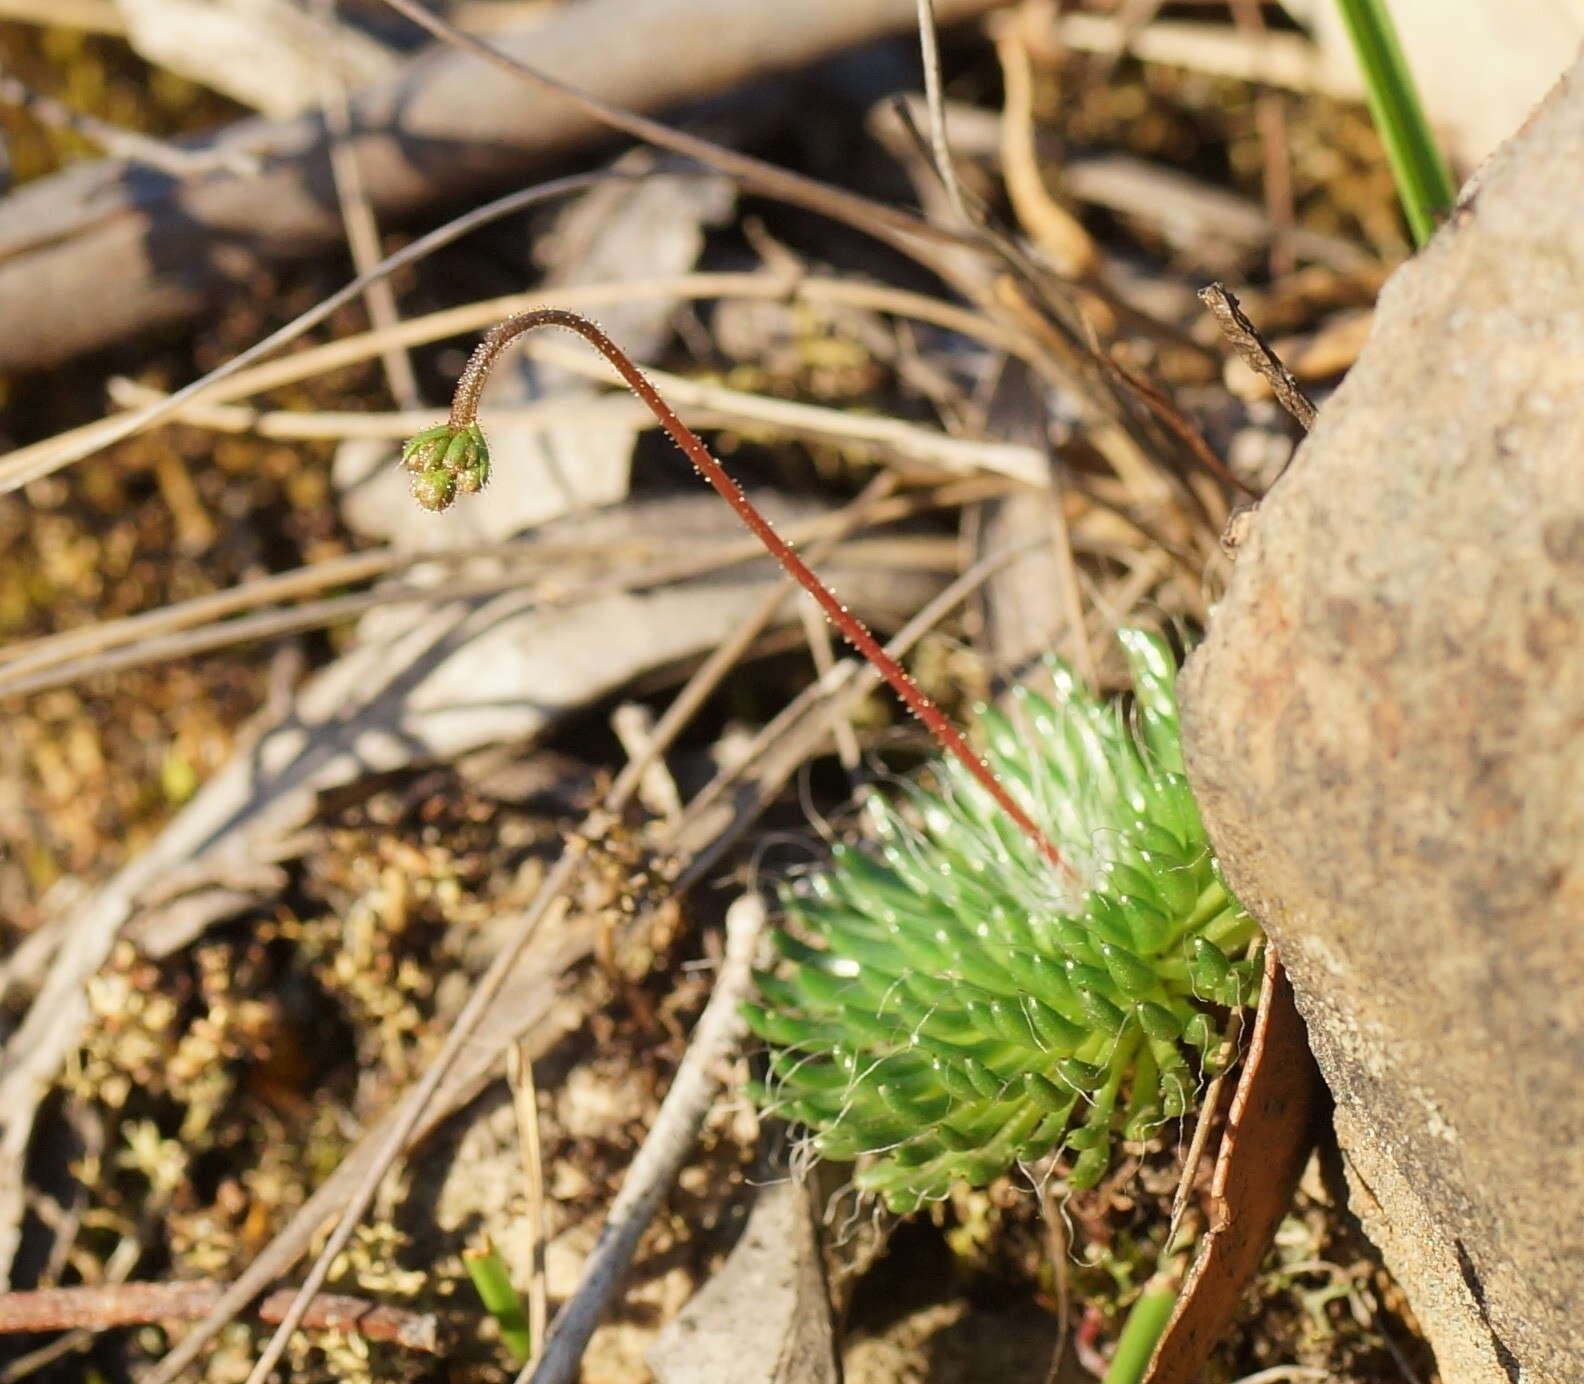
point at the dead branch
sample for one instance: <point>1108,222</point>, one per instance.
<point>97,253</point>
<point>102,1306</point>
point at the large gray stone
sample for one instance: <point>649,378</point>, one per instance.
<point>1386,731</point>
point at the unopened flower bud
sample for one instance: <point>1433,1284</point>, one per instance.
<point>445,461</point>
<point>434,489</point>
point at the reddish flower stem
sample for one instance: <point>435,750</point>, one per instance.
<point>464,412</point>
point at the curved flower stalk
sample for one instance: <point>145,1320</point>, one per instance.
<point>950,1006</point>
<point>452,458</point>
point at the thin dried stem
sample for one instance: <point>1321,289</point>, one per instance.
<point>170,159</point>
<point>235,380</point>
<point>940,148</point>
<point>525,1106</point>
<point>362,231</point>
<point>201,626</point>
<point>865,509</point>
<point>27,464</point>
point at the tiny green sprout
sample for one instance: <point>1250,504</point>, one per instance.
<point>950,1005</point>
<point>445,461</point>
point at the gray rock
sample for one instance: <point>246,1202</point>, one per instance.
<point>1386,731</point>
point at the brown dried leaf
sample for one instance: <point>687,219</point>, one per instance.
<point>1269,1133</point>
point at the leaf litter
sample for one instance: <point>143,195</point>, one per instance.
<point>228,1063</point>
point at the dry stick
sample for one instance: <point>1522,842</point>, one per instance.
<point>362,232</point>
<point>273,624</point>
<point>228,382</point>
<point>43,667</point>
<point>910,441</point>
<point>1257,353</point>
<point>929,45</point>
<point>1181,426</point>
<point>865,509</point>
<point>32,463</point>
<point>98,1307</point>
<point>337,425</point>
<point>816,634</point>
<point>464,415</point>
<point>716,403</point>
<point>170,159</point>
<point>897,228</point>
<point>49,650</point>
<point>1201,1134</point>
<point>633,724</point>
<point>649,1177</point>
<point>74,646</point>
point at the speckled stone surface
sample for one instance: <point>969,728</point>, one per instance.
<point>1386,731</point>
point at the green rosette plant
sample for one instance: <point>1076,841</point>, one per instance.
<point>950,1005</point>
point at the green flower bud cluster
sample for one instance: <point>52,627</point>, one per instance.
<point>445,461</point>
<point>950,1006</point>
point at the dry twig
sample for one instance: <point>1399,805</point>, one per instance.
<point>654,1168</point>
<point>201,625</point>
<point>122,143</point>
<point>1256,354</point>
<point>235,379</point>
<point>362,231</point>
<point>100,1307</point>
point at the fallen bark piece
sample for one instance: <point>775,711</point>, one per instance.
<point>1385,730</point>
<point>100,252</point>
<point>1270,1131</point>
<point>765,1317</point>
